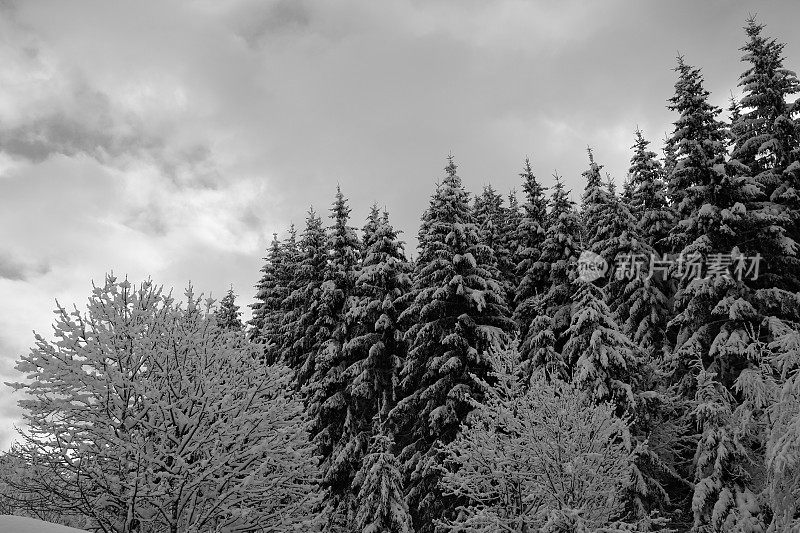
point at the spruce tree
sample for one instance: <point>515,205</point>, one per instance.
<point>326,365</point>
<point>272,291</point>
<point>303,303</point>
<point>714,311</point>
<point>488,210</point>
<point>648,202</point>
<point>670,159</point>
<point>613,345</point>
<point>594,196</point>
<point>377,348</point>
<point>530,236</point>
<point>511,239</point>
<point>490,217</point>
<point>604,360</point>
<point>284,314</point>
<point>265,289</point>
<point>722,500</point>
<point>375,352</point>
<point>766,140</point>
<point>382,506</point>
<point>457,315</point>
<point>228,314</point>
<point>556,265</point>
<point>711,200</point>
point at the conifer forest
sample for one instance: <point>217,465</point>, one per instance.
<point>620,358</point>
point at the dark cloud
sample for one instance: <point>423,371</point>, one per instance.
<point>92,128</point>
<point>150,220</point>
<point>258,22</point>
<point>15,269</point>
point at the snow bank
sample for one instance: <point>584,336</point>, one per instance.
<point>19,524</point>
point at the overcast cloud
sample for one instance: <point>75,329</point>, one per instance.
<point>171,139</point>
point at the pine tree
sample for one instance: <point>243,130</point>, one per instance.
<point>604,361</point>
<point>722,498</point>
<point>369,233</point>
<point>458,314</point>
<point>490,218</point>
<point>377,348</point>
<point>302,305</point>
<point>488,210</point>
<point>670,158</point>
<point>648,202</point>
<point>735,126</point>
<point>616,344</point>
<point>326,389</point>
<point>382,506</point>
<point>375,351</point>
<point>273,309</point>
<point>714,311</point>
<point>530,236</point>
<point>266,289</point>
<point>778,392</point>
<point>511,238</point>
<point>711,200</point>
<point>228,313</point>
<point>766,140</point>
<point>594,201</point>
<point>543,343</point>
<point>284,313</point>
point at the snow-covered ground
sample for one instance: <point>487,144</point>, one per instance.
<point>19,524</point>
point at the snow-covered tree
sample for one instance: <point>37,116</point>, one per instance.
<point>382,506</point>
<point>510,237</point>
<point>458,313</point>
<point>530,458</point>
<point>648,202</point>
<point>543,343</point>
<point>616,343</point>
<point>326,366</point>
<point>488,210</point>
<point>376,349</point>
<point>18,465</point>
<point>594,203</point>
<point>715,310</point>
<point>530,235</point>
<point>669,160</point>
<point>766,140</point>
<point>722,499</point>
<point>155,418</point>
<point>266,287</point>
<point>228,314</point>
<point>491,218</point>
<point>603,360</point>
<point>302,305</point>
<point>271,309</point>
<point>779,392</point>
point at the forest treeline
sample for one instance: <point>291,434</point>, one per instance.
<point>495,383</point>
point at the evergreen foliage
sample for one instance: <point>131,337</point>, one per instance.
<point>458,313</point>
<point>382,505</point>
<point>326,365</point>
<point>530,236</point>
<point>648,203</point>
<point>543,343</point>
<point>303,303</point>
<point>228,314</point>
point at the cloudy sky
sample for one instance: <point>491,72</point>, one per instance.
<point>171,139</point>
